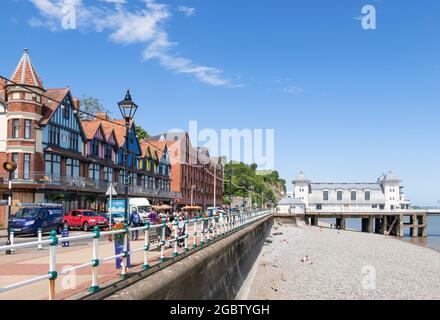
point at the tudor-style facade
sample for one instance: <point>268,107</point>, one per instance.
<point>62,158</point>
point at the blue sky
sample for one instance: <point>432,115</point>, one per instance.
<point>347,104</point>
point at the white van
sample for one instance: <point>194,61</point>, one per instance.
<point>142,206</point>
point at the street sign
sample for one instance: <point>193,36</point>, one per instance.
<point>111,191</point>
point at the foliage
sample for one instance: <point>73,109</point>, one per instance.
<point>141,133</point>
<point>92,106</point>
<point>265,187</point>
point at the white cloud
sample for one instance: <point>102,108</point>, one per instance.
<point>187,10</point>
<point>293,89</point>
<point>130,25</point>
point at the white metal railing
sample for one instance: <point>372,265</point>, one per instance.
<point>363,210</point>
<point>209,229</point>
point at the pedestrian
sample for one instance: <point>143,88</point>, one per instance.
<point>135,222</point>
<point>152,216</point>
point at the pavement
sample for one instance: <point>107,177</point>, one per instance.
<point>3,233</point>
<point>25,264</point>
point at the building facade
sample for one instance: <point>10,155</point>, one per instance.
<point>63,158</point>
<point>195,175</point>
<point>384,194</point>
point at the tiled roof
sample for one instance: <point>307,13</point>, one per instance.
<point>109,128</point>
<point>2,90</point>
<point>50,106</point>
<point>120,131</point>
<point>25,72</point>
<point>90,127</point>
<point>159,147</point>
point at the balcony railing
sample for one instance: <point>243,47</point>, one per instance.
<point>88,184</point>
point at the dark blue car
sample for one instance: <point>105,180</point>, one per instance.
<point>28,220</point>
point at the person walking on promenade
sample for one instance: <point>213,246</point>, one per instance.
<point>135,221</point>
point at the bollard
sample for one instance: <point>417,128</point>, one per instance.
<point>176,238</point>
<point>40,238</point>
<point>125,251</point>
<point>146,265</point>
<point>12,239</point>
<point>195,233</point>
<point>163,242</point>
<point>186,234</point>
<point>53,265</point>
<point>95,288</point>
<point>202,232</point>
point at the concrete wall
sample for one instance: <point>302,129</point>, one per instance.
<point>216,272</point>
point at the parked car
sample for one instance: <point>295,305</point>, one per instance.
<point>116,218</point>
<point>28,220</point>
<point>85,219</point>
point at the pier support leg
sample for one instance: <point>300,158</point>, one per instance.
<point>340,223</point>
<point>384,225</point>
<point>413,228</point>
<point>422,227</point>
<point>400,230</point>
<point>377,225</point>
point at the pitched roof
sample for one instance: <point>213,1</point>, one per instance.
<point>90,127</point>
<point>120,131</point>
<point>168,136</point>
<point>2,90</point>
<point>51,105</point>
<point>144,147</point>
<point>109,129</point>
<point>25,72</point>
<point>159,147</point>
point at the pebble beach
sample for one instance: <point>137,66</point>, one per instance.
<point>314,263</point>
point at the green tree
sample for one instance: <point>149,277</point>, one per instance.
<point>141,133</point>
<point>264,187</point>
<point>91,106</point>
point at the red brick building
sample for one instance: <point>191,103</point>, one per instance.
<point>196,180</point>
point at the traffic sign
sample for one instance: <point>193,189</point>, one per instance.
<point>111,191</point>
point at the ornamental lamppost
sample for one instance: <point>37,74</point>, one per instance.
<point>9,167</point>
<point>128,109</point>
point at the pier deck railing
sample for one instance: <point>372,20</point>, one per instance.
<point>198,232</point>
<point>372,211</point>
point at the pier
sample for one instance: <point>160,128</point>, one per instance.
<point>389,223</point>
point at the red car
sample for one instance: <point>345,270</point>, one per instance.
<point>85,219</point>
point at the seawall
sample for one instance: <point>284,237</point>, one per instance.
<point>216,272</point>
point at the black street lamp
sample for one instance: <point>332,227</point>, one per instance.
<point>10,167</point>
<point>128,109</point>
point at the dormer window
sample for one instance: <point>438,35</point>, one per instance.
<point>16,96</point>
